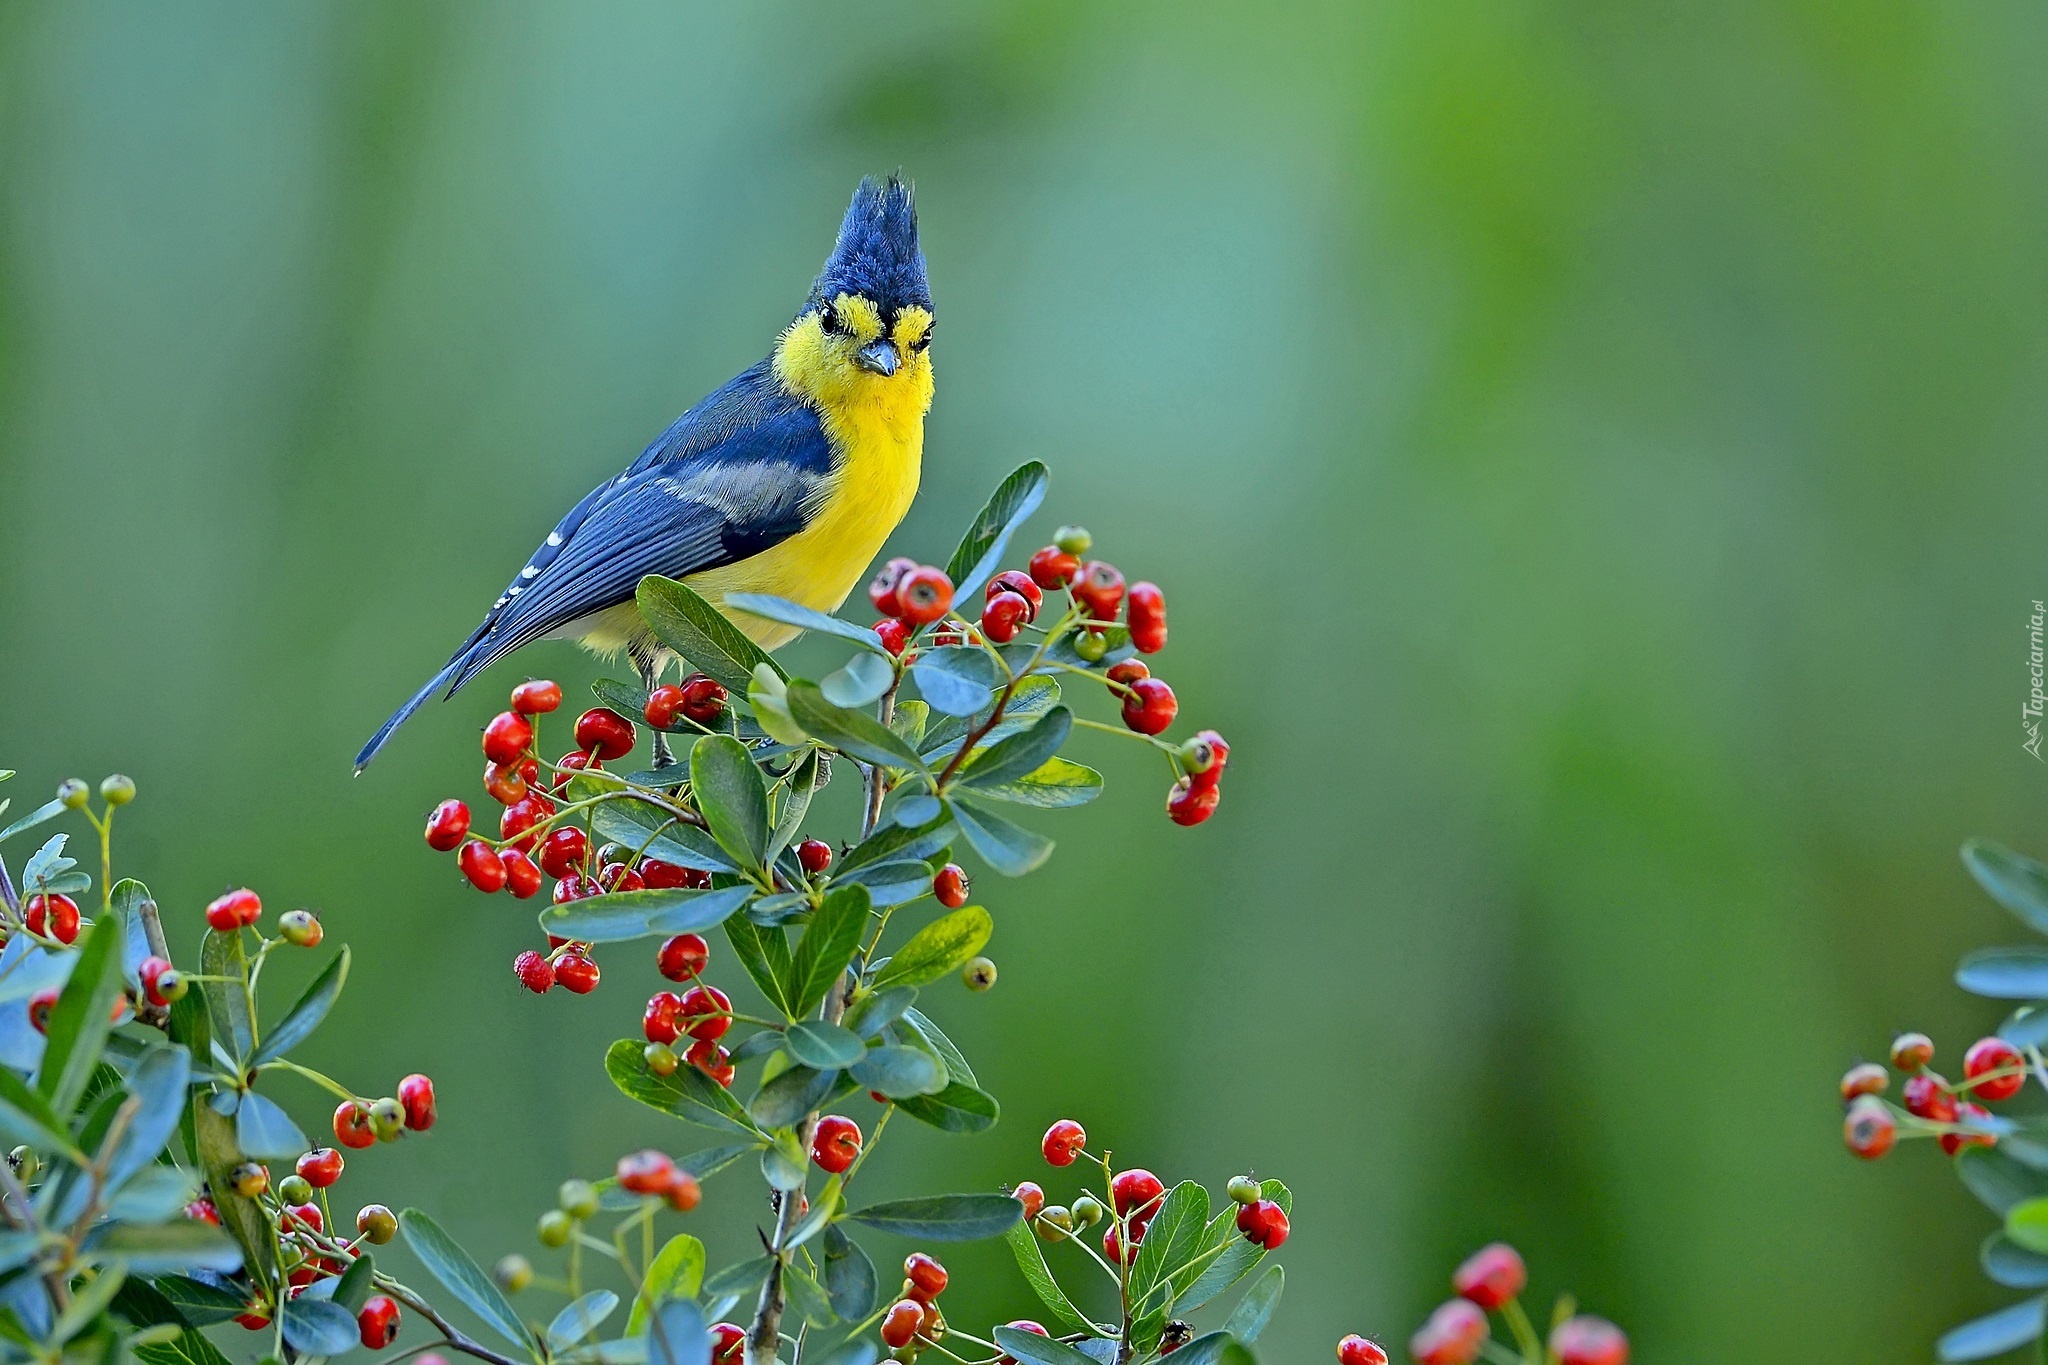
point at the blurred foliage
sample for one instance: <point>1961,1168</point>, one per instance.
<point>1594,453</point>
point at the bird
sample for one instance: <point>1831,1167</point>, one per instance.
<point>785,481</point>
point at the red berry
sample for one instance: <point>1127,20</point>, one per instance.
<point>505,783</point>
<point>1358,1350</point>
<point>617,877</point>
<point>1136,1194</point>
<point>683,1192</point>
<point>1113,1243</point>
<point>151,974</point>
<point>662,705</point>
<point>1020,583</point>
<point>235,910</point>
<point>1031,1196</point>
<point>416,1093</point>
<point>378,1322</point>
<point>1128,671</point>
<point>563,851</point>
<point>1968,1113</point>
<point>1869,1129</point>
<point>521,876</point>
<point>1150,707</point>
<point>951,886</point>
<point>1188,804</point>
<point>1263,1222</point>
<point>900,1323</point>
<point>893,634</point>
<point>1062,1141</point>
<point>202,1210</point>
<point>1452,1336</point>
<point>1204,757</point>
<point>706,1013</point>
<point>657,873</point>
<point>648,1172</point>
<point>39,1006</point>
<point>55,915</point>
<point>447,826</point>
<point>482,865</point>
<point>1587,1340</point>
<point>711,1059</point>
<point>576,973</point>
<point>536,697</point>
<point>683,957</point>
<point>703,698</point>
<point>1911,1051</point>
<point>927,1277</point>
<point>1927,1096</point>
<point>604,733</point>
<point>924,595</point>
<point>883,588</point>
<point>320,1167</point>
<point>1003,617</point>
<point>1988,1055</point>
<point>521,816</point>
<point>1866,1079</point>
<point>1491,1276</point>
<point>534,971</point>
<point>574,889</point>
<point>1036,1329</point>
<point>507,737</point>
<point>1146,616</point>
<point>835,1143</point>
<point>307,1215</point>
<point>571,763</point>
<point>1100,588</point>
<point>659,1020</point>
<point>814,855</point>
<point>728,1342</point>
<point>1053,567</point>
<point>352,1125</point>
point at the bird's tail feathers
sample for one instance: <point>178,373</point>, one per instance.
<point>404,712</point>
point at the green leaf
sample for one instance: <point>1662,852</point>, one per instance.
<point>676,1335</point>
<point>317,1327</point>
<point>698,631</point>
<point>1031,1262</point>
<point>1237,1259</point>
<point>79,1023</point>
<point>860,681</point>
<point>637,824</point>
<point>956,680</point>
<point>189,1348</point>
<point>956,1109</point>
<point>26,1117</point>
<point>227,1003</point>
<point>732,798</point>
<point>711,1160</point>
<point>892,883</point>
<point>214,1137</point>
<point>940,1045</point>
<point>827,947</point>
<point>1255,1309</point>
<point>742,1279</point>
<point>677,1272</point>
<point>158,1081</point>
<point>1214,1348</point>
<point>900,1072</point>
<point>1033,1349</point>
<point>1004,845</point>
<point>181,1245</point>
<point>1993,1334</point>
<point>264,1131</point>
<point>1998,1180</point>
<point>2005,973</point>
<point>824,1046</point>
<point>1030,698</point>
<point>89,1301</point>
<point>352,1290</point>
<point>854,733</point>
<point>1020,754</point>
<point>785,1100</point>
<point>849,1276</point>
<point>687,1093</point>
<point>803,618</point>
<point>445,1259</point>
<point>49,810</point>
<point>782,1163</point>
<point>196,1301</point>
<point>1174,1236</point>
<point>768,695</point>
<point>944,1217</point>
<point>804,783</point>
<point>300,1021</point>
<point>874,1012</point>
<point>806,1297</point>
<point>2014,880</point>
<point>893,843</point>
<point>580,1319</point>
<point>2012,1265</point>
<point>1054,784</point>
<point>154,1194</point>
<point>764,952</point>
<point>980,551</point>
<point>945,945</point>
<point>626,915</point>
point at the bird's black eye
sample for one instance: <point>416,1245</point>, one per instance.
<point>924,342</point>
<point>828,318</point>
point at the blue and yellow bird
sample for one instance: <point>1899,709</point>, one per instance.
<point>786,481</point>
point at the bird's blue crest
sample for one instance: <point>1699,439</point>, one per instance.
<point>877,256</point>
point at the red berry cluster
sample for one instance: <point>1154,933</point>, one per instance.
<point>1491,1280</point>
<point>698,699</point>
<point>703,1013</point>
<point>656,1174</point>
<point>914,1321</point>
<point>1993,1070</point>
<point>363,1123</point>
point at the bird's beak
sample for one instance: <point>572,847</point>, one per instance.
<point>878,357</point>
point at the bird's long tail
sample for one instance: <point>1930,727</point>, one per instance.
<point>400,716</point>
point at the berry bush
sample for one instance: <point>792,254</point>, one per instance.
<point>2001,1157</point>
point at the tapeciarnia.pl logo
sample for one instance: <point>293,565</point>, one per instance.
<point>2030,714</point>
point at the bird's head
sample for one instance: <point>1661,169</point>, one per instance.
<point>866,330</point>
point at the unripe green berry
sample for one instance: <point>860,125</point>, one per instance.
<point>661,1059</point>
<point>1244,1189</point>
<point>387,1119</point>
<point>295,1189</point>
<point>172,986</point>
<point>23,1160</point>
<point>118,789</point>
<point>376,1223</point>
<point>1091,645</point>
<point>1075,540</point>
<point>553,1229</point>
<point>1055,1222</point>
<point>73,793</point>
<point>578,1198</point>
<point>612,853</point>
<point>300,927</point>
<point>513,1273</point>
<point>249,1179</point>
<point>979,974</point>
<point>1088,1211</point>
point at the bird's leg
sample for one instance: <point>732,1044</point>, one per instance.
<point>650,673</point>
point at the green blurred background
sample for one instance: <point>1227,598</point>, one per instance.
<point>1594,452</point>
